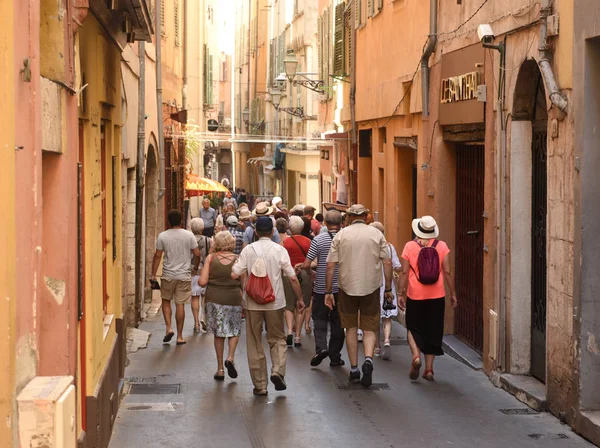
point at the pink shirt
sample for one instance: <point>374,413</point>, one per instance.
<point>416,289</point>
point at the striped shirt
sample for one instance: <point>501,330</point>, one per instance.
<point>319,249</point>
<point>239,239</point>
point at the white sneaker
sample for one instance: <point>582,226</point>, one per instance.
<point>360,335</point>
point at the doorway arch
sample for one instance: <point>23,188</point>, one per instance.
<point>528,211</point>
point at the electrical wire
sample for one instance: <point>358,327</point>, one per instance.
<point>466,21</point>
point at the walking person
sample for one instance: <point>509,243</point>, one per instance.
<point>209,216</point>
<point>359,251</point>
<point>264,253</point>
<point>297,247</point>
<point>177,245</point>
<point>315,226</point>
<point>262,209</point>
<point>425,266</point>
<point>233,227</point>
<point>204,245</point>
<point>223,302</point>
<point>322,316</point>
<point>389,310</point>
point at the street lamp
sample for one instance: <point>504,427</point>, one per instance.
<point>291,65</point>
<point>276,97</point>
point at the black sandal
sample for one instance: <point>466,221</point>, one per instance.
<point>231,370</point>
<point>220,377</point>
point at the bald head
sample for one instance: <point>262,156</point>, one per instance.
<point>333,218</point>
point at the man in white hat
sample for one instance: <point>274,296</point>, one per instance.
<point>277,203</point>
<point>262,209</point>
<point>359,251</point>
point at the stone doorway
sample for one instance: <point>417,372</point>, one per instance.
<point>528,210</point>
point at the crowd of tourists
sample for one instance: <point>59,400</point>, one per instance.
<point>278,269</point>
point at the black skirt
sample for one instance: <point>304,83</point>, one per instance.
<point>425,321</point>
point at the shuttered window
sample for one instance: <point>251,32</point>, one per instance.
<point>357,13</point>
<point>176,19</point>
<point>370,8</point>
<point>162,18</point>
<point>339,44</point>
<point>320,46</point>
<point>379,5</point>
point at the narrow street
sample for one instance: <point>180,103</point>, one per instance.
<point>460,409</point>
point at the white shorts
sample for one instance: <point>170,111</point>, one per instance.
<point>197,290</point>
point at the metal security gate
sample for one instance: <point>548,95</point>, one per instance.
<point>470,174</point>
<point>538,251</point>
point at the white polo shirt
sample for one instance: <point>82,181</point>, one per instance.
<point>278,263</point>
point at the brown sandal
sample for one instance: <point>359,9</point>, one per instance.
<point>428,375</point>
<point>220,375</point>
<point>415,367</point>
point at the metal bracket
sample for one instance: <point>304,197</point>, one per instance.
<point>314,85</point>
<point>295,111</point>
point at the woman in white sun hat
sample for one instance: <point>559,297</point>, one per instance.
<point>425,266</point>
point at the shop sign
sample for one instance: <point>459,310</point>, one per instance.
<point>461,75</point>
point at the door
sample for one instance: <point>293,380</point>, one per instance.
<point>538,251</point>
<point>470,169</point>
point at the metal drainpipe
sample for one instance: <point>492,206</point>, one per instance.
<point>159,115</point>
<point>354,130</point>
<point>556,97</point>
<point>431,42</point>
<point>139,180</point>
<point>184,89</point>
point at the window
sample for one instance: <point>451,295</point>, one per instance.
<point>176,18</point>
<point>163,31</point>
<point>339,44</point>
<point>358,13</point>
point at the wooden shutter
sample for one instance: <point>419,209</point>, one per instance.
<point>330,42</point>
<point>320,46</point>
<point>339,50</point>
<point>163,31</point>
<point>176,19</point>
<point>379,5</point>
<point>210,79</point>
<point>357,13</point>
<point>349,36</point>
<point>369,8</point>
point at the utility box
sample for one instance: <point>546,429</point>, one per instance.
<point>47,413</point>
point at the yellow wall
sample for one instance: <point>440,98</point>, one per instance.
<point>100,59</point>
<point>7,222</point>
<point>309,189</point>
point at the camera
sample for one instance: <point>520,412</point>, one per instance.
<point>485,33</point>
<point>388,304</point>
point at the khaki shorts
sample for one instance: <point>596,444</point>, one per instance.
<point>290,296</point>
<point>178,290</point>
<point>369,307</point>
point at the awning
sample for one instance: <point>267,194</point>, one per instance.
<point>197,186</point>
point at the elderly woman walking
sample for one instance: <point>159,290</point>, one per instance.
<point>204,244</point>
<point>425,266</point>
<point>297,247</point>
<point>389,310</point>
<point>223,301</point>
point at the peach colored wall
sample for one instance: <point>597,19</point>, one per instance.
<point>8,224</point>
<point>28,214</point>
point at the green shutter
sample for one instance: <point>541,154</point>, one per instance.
<point>339,61</point>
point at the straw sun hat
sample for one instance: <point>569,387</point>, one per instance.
<point>425,228</point>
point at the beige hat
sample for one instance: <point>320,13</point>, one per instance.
<point>245,213</point>
<point>358,210</point>
<point>263,209</point>
<point>425,228</point>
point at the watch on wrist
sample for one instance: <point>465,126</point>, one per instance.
<point>388,290</point>
<point>329,293</point>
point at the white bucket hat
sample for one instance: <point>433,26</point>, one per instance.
<point>276,200</point>
<point>425,228</point>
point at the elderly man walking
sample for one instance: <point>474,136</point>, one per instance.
<point>359,251</point>
<point>271,314</point>
<point>209,216</point>
<point>322,316</point>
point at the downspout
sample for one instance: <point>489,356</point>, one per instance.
<point>350,163</point>
<point>184,89</point>
<point>159,114</point>
<point>431,42</point>
<point>556,97</point>
<point>139,179</point>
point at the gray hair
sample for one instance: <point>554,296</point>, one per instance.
<point>333,217</point>
<point>197,226</point>
<point>378,226</point>
<point>296,225</point>
<point>224,241</point>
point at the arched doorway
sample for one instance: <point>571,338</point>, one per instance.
<point>529,205</point>
<point>153,217</point>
